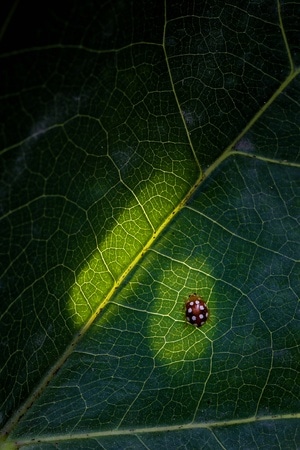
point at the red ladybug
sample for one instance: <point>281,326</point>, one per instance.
<point>196,310</point>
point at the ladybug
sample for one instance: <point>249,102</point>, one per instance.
<point>196,310</point>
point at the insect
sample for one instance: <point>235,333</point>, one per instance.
<point>196,310</point>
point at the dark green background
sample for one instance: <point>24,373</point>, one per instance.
<point>110,114</point>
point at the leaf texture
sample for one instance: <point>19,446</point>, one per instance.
<point>150,150</point>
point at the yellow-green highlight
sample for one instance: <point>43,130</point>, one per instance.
<point>181,341</point>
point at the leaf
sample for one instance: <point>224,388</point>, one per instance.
<point>150,151</point>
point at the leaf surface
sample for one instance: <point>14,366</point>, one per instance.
<point>150,151</point>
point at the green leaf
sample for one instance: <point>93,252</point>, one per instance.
<point>150,150</point>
